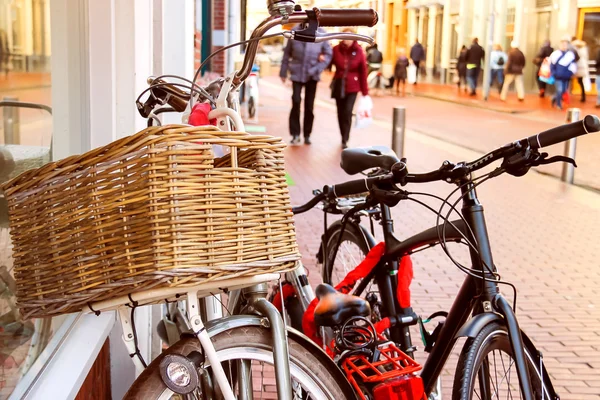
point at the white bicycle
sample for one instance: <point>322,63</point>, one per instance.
<point>236,356</point>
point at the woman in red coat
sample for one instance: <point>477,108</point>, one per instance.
<point>351,68</point>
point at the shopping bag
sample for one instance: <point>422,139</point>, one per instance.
<point>587,84</point>
<point>364,112</point>
<point>411,72</point>
<point>545,73</point>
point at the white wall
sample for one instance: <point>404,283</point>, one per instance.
<point>103,52</point>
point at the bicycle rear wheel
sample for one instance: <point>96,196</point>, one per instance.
<point>486,369</point>
<point>312,372</point>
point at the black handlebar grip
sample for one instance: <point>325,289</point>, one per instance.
<point>562,133</point>
<point>346,17</point>
<point>350,188</point>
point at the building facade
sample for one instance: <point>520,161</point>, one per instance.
<point>444,26</point>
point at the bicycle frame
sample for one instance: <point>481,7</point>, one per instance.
<point>478,299</point>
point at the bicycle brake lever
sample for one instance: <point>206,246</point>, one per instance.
<point>555,159</point>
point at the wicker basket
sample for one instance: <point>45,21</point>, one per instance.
<point>156,209</point>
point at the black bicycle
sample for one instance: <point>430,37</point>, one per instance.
<point>496,351</point>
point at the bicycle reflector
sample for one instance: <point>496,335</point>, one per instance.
<point>408,387</point>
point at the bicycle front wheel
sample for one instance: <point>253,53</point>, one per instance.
<point>311,371</point>
<point>486,369</point>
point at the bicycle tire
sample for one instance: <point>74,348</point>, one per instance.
<point>493,337</point>
<point>352,234</point>
<point>304,361</point>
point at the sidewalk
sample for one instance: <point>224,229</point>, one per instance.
<point>477,129</point>
<point>544,235</point>
<point>532,103</point>
<point>35,125</point>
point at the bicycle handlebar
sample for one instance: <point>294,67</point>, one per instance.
<point>325,17</point>
<point>589,124</point>
<point>346,17</point>
<point>562,133</point>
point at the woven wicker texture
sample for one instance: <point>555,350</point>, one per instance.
<point>152,210</point>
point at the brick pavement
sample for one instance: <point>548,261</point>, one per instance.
<point>483,129</point>
<point>543,233</point>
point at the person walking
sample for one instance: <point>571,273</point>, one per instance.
<point>349,79</point>
<point>4,54</point>
<point>583,69</point>
<point>598,78</point>
<point>400,72</point>
<point>304,62</point>
<point>417,55</point>
<point>563,67</point>
<point>514,72</point>
<point>374,58</point>
<point>461,67</point>
<point>475,56</point>
<point>498,60</point>
<point>544,53</point>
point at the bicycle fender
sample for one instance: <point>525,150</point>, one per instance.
<point>473,326</point>
<point>357,228</point>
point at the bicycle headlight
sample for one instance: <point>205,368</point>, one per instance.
<point>179,373</point>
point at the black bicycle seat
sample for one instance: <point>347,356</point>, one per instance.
<point>359,159</point>
<point>334,308</point>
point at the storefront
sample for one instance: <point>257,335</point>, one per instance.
<point>24,35</point>
<point>102,54</point>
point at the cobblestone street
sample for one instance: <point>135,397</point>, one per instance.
<point>543,232</point>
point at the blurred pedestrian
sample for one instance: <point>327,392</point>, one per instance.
<point>475,56</point>
<point>374,58</point>
<point>417,55</point>
<point>4,53</point>
<point>514,72</point>
<point>350,78</point>
<point>498,60</point>
<point>304,62</point>
<point>461,67</point>
<point>563,67</point>
<point>598,78</point>
<point>544,52</point>
<point>400,71</point>
<point>583,69</point>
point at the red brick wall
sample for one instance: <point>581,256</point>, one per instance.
<point>219,22</point>
<point>197,49</point>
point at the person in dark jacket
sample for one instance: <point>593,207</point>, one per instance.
<point>351,68</point>
<point>514,72</point>
<point>598,78</point>
<point>461,67</point>
<point>374,58</point>
<point>544,52</point>
<point>400,71</point>
<point>475,56</point>
<point>417,55</point>
<point>304,62</point>
<point>4,53</point>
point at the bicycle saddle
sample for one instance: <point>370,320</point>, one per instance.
<point>334,308</point>
<point>358,159</point>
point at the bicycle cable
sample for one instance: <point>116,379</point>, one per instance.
<point>485,177</point>
<point>207,59</point>
<point>198,89</point>
<point>446,221</point>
